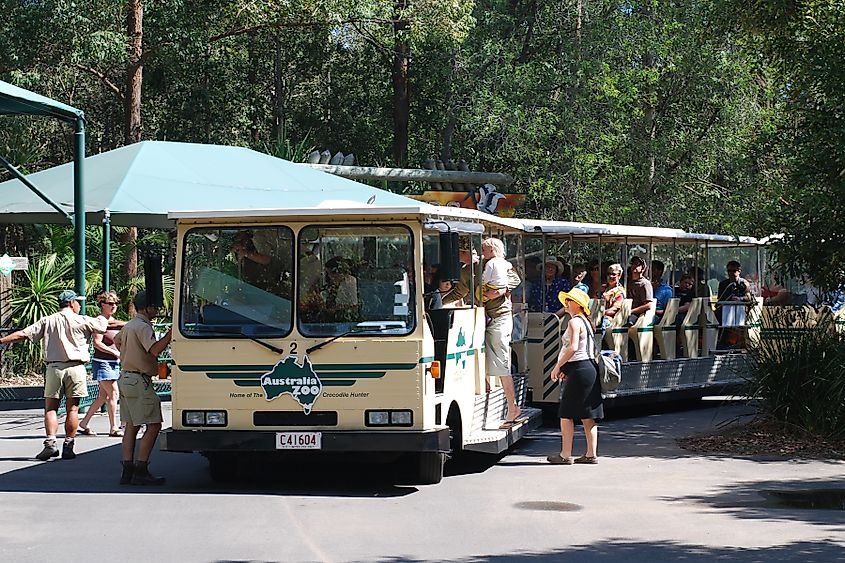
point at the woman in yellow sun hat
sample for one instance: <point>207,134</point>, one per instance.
<point>577,371</point>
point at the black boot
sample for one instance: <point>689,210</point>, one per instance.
<point>50,450</point>
<point>142,475</point>
<point>128,471</point>
<point>67,450</point>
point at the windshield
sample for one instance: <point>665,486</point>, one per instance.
<point>237,282</point>
<point>355,279</point>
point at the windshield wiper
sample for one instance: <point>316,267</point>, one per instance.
<point>368,326</point>
<point>267,345</point>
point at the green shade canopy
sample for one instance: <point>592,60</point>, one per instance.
<point>140,183</point>
<point>17,101</point>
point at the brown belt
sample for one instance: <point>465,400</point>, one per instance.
<point>137,373</point>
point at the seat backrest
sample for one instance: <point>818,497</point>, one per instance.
<point>708,317</point>
<point>694,312</point>
<point>596,310</point>
<point>670,312</point>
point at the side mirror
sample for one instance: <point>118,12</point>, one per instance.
<point>450,260</point>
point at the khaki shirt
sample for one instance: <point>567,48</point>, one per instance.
<point>134,342</point>
<point>493,308</point>
<point>65,335</point>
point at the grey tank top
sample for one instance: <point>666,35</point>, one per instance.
<point>582,351</point>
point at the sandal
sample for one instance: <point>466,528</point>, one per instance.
<point>586,459</point>
<point>86,431</point>
<point>556,459</point>
<point>116,434</point>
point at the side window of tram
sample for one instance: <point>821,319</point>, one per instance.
<point>237,282</point>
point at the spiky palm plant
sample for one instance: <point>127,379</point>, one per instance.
<point>47,276</point>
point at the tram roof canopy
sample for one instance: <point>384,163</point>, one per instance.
<point>17,101</point>
<point>141,183</point>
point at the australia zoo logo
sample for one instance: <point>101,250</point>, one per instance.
<point>288,377</point>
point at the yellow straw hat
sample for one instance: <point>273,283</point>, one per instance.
<point>577,295</point>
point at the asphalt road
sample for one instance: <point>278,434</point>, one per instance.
<point>646,500</point>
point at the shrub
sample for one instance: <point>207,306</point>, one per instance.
<point>798,372</point>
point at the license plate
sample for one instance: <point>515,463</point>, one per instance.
<point>299,440</point>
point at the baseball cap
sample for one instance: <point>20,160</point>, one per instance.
<point>69,295</point>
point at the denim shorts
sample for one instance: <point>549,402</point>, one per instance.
<point>105,370</point>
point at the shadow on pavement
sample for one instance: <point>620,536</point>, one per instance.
<point>757,500</point>
<point>98,471</point>
<point>619,550</point>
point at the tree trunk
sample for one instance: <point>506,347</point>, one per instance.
<point>649,110</point>
<point>135,32</point>
<point>401,86</point>
<point>278,131</point>
<point>132,133</point>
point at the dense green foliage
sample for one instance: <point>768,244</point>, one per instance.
<point>632,112</point>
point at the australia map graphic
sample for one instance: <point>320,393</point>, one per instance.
<point>300,381</point>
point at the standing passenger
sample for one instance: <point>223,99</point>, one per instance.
<point>580,390</point>
<point>139,404</point>
<point>65,335</point>
<point>497,305</point>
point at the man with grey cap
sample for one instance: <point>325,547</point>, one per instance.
<point>66,335</point>
<point>139,404</point>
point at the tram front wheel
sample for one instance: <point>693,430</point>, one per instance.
<point>429,469</point>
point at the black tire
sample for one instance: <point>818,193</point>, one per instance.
<point>429,470</point>
<point>223,467</point>
<point>456,437</point>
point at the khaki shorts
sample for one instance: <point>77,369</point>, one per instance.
<point>497,345</point>
<point>139,403</point>
<point>69,377</point>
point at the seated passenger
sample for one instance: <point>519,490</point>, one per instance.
<point>701,287</point>
<point>579,272</point>
<point>533,278</point>
<point>662,290</point>
<point>613,295</point>
<point>639,290</point>
<point>594,281</point>
<point>341,289</point>
<point>256,268</point>
<point>553,282</point>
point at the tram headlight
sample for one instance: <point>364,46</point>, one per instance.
<point>204,418</point>
<point>215,418</point>
<point>378,418</point>
<point>400,418</point>
<point>389,418</point>
<point>194,418</point>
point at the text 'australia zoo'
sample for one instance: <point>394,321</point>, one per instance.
<point>298,381</point>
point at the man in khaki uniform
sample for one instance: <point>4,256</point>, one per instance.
<point>66,335</point>
<point>139,404</point>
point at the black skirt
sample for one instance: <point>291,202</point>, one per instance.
<point>581,392</point>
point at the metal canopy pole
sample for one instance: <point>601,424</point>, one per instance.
<point>106,249</point>
<point>25,181</point>
<point>79,207</point>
